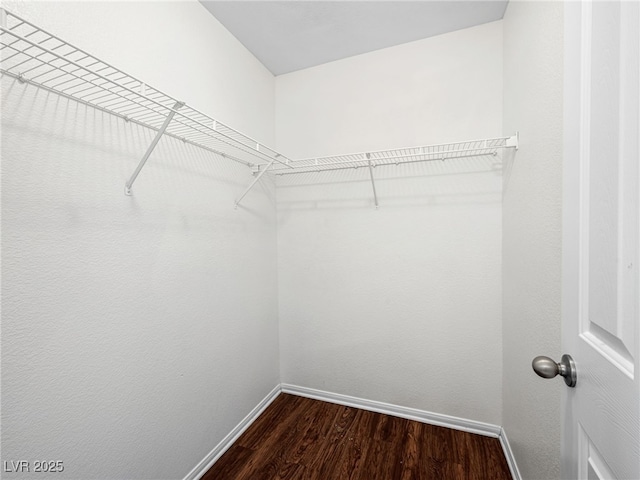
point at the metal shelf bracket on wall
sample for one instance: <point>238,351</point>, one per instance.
<point>255,180</point>
<point>513,141</point>
<point>154,142</point>
<point>373,183</point>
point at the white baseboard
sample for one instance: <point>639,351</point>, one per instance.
<point>208,461</point>
<point>423,416</point>
<point>508,453</point>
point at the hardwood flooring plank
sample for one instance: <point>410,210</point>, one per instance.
<point>318,421</point>
<point>274,469</point>
<point>270,460</point>
<point>237,459</point>
<point>351,462</point>
<point>282,412</point>
<point>287,460</point>
<point>411,451</point>
<point>321,464</point>
<point>297,438</point>
<point>488,457</point>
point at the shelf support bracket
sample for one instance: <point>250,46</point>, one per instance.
<point>373,183</point>
<point>513,141</point>
<point>255,180</point>
<point>167,121</point>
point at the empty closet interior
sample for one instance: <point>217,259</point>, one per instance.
<point>185,234</point>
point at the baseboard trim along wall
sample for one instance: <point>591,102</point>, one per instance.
<point>208,461</point>
<point>424,416</point>
<point>431,418</point>
<point>508,453</point>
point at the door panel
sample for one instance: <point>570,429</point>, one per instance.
<point>596,467</point>
<point>609,160</point>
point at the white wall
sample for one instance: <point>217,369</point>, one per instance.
<point>533,62</point>
<point>136,331</point>
<point>400,304</point>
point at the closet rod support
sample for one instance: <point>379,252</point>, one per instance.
<point>373,183</point>
<point>165,125</point>
<point>255,180</point>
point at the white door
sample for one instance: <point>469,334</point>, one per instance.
<point>601,240</point>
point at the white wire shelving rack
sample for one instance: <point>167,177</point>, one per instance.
<point>398,156</point>
<point>34,56</point>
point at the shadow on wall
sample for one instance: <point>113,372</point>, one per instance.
<point>458,181</point>
<point>50,114</point>
<point>507,167</point>
<point>58,145</point>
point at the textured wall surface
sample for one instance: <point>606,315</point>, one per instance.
<point>136,331</point>
<point>400,304</point>
<point>533,53</point>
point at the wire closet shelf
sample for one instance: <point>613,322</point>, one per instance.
<point>398,156</point>
<point>34,56</point>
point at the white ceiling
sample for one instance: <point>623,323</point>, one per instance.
<point>291,35</point>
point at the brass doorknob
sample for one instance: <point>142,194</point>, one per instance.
<point>548,368</point>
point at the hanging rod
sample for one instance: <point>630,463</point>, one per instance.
<point>34,56</point>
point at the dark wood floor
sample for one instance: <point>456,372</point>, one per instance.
<point>299,438</point>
